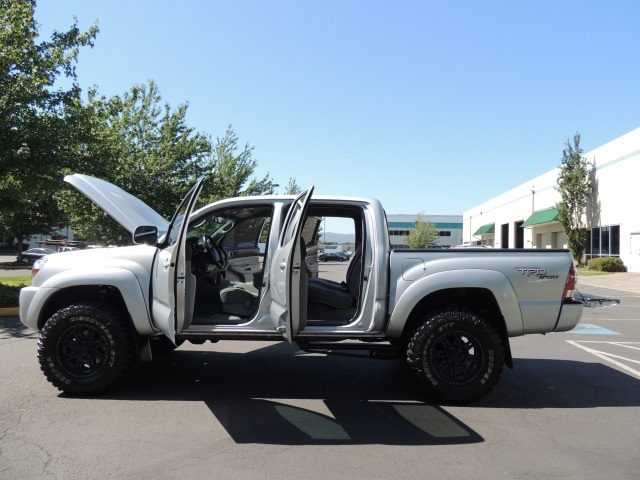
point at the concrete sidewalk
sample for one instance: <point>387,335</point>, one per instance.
<point>14,273</point>
<point>625,282</point>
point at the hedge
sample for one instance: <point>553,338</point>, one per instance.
<point>9,295</point>
<point>606,264</point>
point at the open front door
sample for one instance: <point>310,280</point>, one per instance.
<point>173,284</point>
<point>288,275</point>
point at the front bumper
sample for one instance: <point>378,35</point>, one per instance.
<point>27,296</point>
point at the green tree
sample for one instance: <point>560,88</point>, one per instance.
<point>37,127</point>
<point>292,187</point>
<point>424,234</point>
<point>232,171</point>
<point>144,146</point>
<point>141,145</point>
<point>574,186</point>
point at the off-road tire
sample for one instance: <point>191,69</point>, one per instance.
<point>457,355</point>
<point>86,348</point>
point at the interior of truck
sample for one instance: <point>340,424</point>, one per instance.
<point>227,251</point>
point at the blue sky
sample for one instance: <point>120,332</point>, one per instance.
<point>432,106</point>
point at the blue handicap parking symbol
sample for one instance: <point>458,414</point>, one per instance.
<point>591,329</point>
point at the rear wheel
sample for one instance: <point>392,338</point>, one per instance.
<point>86,348</point>
<point>457,355</point>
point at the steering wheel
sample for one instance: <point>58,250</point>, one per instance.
<point>218,256</point>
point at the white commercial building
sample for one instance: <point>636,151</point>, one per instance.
<point>526,217</point>
<point>449,228</point>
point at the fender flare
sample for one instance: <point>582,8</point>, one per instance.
<point>496,282</point>
<point>125,281</point>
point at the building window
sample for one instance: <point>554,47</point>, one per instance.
<point>445,233</point>
<point>605,242</point>
<point>615,240</point>
<point>595,242</point>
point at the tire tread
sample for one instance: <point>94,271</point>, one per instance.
<point>110,318</point>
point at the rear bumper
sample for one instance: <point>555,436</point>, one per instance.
<point>570,314</point>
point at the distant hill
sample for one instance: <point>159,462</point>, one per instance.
<point>339,237</point>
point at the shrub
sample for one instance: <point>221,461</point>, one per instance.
<point>606,264</point>
<point>9,295</point>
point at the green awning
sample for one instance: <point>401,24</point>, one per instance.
<point>547,215</point>
<point>488,229</point>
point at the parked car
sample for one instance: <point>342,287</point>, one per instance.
<point>332,257</point>
<point>67,249</point>
<point>34,254</point>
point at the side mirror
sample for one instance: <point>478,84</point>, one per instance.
<point>145,235</point>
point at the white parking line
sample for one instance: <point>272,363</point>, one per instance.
<point>607,357</point>
<point>624,344</point>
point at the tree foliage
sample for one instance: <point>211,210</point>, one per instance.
<point>141,145</point>
<point>134,140</point>
<point>231,171</point>
<point>145,147</point>
<point>292,187</point>
<point>574,186</point>
<point>424,234</point>
<point>37,125</point>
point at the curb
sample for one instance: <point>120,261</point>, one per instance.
<point>9,312</point>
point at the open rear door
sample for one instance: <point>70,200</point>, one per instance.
<point>288,276</point>
<point>173,284</point>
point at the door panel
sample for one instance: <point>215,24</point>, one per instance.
<point>161,305</point>
<point>244,263</point>
<point>288,274</point>
<point>173,284</point>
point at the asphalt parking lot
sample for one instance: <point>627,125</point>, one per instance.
<point>569,409</point>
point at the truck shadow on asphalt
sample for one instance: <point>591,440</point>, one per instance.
<point>547,383</point>
<point>265,396</point>
<point>275,395</point>
<point>12,327</point>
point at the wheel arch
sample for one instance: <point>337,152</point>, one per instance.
<point>486,292</point>
<point>480,301</point>
<point>64,297</point>
<point>122,290</point>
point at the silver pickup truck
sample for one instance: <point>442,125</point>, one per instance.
<point>246,269</point>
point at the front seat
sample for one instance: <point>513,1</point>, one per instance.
<point>239,298</point>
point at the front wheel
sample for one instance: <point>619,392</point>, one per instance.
<point>85,348</point>
<point>457,355</point>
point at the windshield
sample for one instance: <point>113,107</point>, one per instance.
<point>241,227</point>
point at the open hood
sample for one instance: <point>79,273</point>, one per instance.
<point>127,210</point>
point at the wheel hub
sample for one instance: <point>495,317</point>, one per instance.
<point>456,358</point>
<point>83,350</point>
